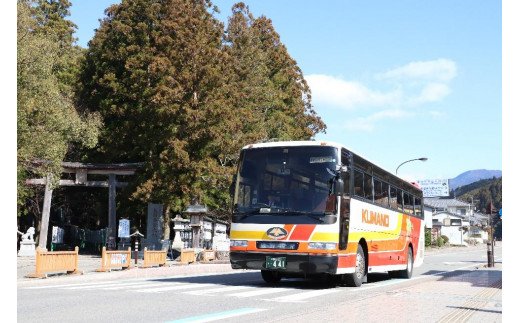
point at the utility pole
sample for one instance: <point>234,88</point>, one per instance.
<point>491,245</point>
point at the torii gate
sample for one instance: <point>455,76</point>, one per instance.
<point>81,171</point>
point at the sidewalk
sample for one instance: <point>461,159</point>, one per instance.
<point>89,263</point>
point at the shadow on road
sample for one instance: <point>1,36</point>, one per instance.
<point>255,279</point>
<point>478,278</point>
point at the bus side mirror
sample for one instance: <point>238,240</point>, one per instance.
<point>339,186</point>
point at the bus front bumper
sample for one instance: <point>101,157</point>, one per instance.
<point>295,263</point>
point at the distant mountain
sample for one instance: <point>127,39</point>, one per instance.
<point>473,176</point>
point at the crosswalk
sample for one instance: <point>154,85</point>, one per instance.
<point>259,292</point>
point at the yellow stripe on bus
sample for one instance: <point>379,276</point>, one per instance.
<point>325,236</point>
<point>248,235</point>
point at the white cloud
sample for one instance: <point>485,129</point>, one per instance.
<point>368,123</point>
<point>442,70</point>
<point>334,92</point>
<point>432,92</point>
<point>411,85</point>
<point>436,114</point>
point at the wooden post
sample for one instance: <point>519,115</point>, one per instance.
<point>111,211</point>
<point>45,215</point>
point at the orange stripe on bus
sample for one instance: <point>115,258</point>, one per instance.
<point>302,232</point>
<point>288,228</point>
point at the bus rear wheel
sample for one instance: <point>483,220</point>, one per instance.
<point>405,273</point>
<point>271,277</point>
<point>356,278</point>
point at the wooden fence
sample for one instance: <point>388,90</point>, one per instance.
<point>209,255</point>
<point>155,258</point>
<point>187,256</point>
<point>52,261</point>
<point>115,259</point>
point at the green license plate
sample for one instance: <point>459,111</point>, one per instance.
<point>275,262</point>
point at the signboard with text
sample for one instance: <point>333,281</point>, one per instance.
<point>434,187</point>
<point>124,228</point>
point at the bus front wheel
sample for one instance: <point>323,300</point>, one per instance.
<point>356,278</point>
<point>271,277</point>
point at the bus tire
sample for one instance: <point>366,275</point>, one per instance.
<point>405,273</point>
<point>271,277</point>
<point>356,278</point>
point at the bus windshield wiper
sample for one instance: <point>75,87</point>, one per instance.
<point>313,215</point>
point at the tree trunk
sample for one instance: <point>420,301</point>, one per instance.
<point>166,223</point>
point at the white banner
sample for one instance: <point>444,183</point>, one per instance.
<point>124,228</point>
<point>434,187</point>
<point>57,235</point>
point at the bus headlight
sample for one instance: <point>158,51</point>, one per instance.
<point>238,243</point>
<point>322,245</point>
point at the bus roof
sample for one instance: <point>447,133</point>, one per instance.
<point>323,143</point>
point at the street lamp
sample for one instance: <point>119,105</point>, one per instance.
<point>421,159</point>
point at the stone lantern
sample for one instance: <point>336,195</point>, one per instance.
<point>178,226</point>
<point>196,213</point>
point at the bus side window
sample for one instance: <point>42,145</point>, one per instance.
<point>400,200</point>
<point>418,207</point>
<point>358,183</point>
<point>393,197</point>
<point>384,194</point>
<point>408,203</point>
<point>378,194</point>
<point>368,188</point>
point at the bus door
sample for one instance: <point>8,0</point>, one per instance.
<point>345,200</point>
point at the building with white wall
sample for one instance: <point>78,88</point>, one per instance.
<point>454,219</point>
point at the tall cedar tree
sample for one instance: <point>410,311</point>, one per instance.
<point>271,95</point>
<point>170,95</point>
<point>51,20</point>
<point>153,70</point>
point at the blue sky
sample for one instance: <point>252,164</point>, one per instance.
<point>393,80</point>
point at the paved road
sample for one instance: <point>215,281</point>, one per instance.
<point>453,285</point>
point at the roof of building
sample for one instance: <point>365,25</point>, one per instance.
<point>441,203</point>
<point>450,214</point>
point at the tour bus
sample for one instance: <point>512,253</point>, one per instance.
<point>309,208</point>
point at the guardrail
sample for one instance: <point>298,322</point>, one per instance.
<point>115,259</point>
<point>51,261</point>
<point>154,257</point>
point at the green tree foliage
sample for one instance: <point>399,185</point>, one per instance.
<point>427,237</point>
<point>47,120</point>
<point>269,95</point>
<point>153,70</point>
<point>482,193</point>
<point>51,21</point>
<point>270,85</point>
<point>178,93</point>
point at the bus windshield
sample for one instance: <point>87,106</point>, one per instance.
<point>286,181</point>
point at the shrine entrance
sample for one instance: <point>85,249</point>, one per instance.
<point>81,172</point>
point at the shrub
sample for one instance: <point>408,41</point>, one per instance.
<point>446,239</point>
<point>439,242</point>
<point>427,237</point>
